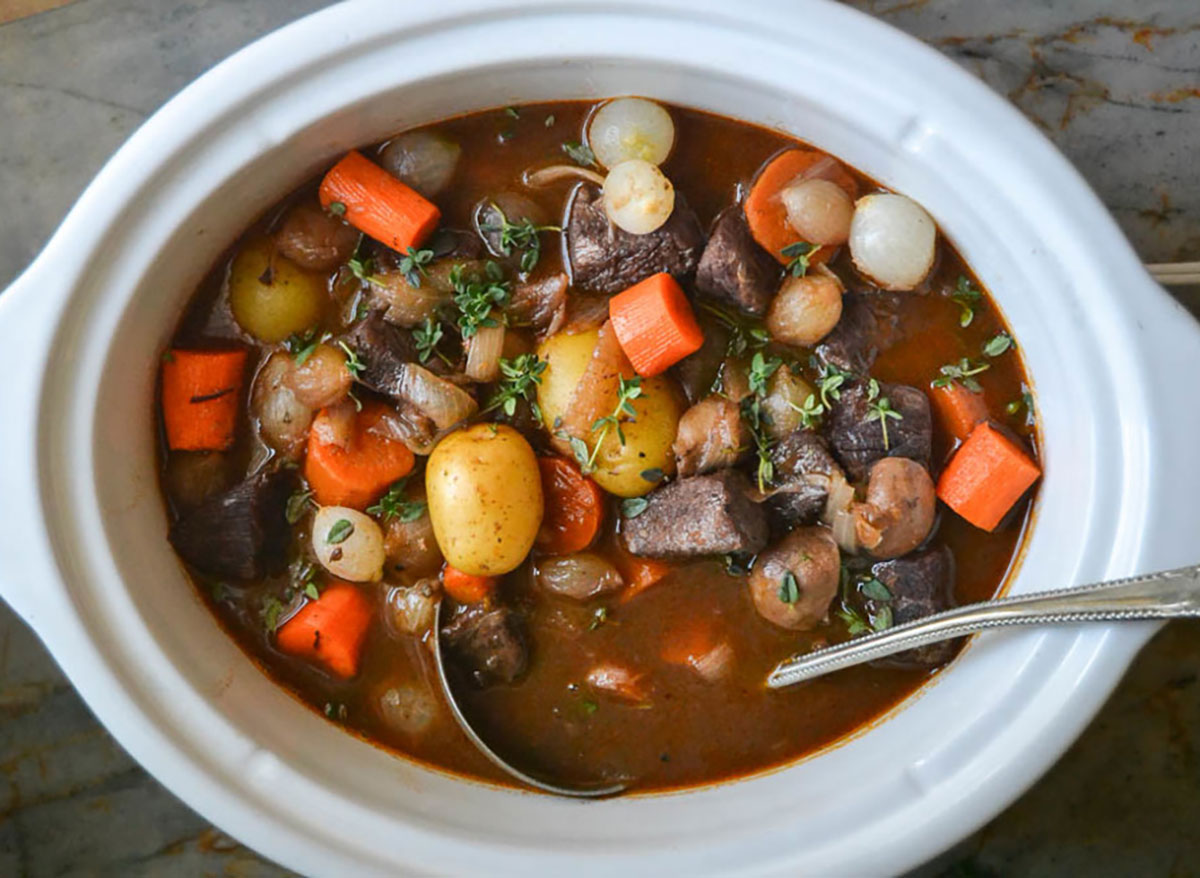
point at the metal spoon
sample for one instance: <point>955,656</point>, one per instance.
<point>1171,594</point>
<point>583,791</point>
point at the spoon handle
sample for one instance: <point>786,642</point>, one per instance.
<point>1171,594</point>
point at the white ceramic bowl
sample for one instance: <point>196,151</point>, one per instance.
<point>82,542</point>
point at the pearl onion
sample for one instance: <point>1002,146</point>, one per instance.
<point>892,240</point>
<point>352,551</point>
<point>631,128</point>
<point>638,197</point>
<point>819,211</point>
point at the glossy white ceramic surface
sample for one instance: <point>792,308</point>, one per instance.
<point>86,564</point>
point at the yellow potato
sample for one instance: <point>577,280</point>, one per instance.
<point>485,498</point>
<point>648,439</point>
<point>271,297</point>
<point>566,358</point>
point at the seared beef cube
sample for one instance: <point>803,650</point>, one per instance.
<point>856,435</point>
<point>921,583</point>
<point>853,345</point>
<point>384,349</point>
<point>734,268</point>
<point>703,515</point>
<point>488,643</point>
<point>804,470</point>
<point>711,435</point>
<point>605,259</point>
<point>241,533</point>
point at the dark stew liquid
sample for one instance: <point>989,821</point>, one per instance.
<point>596,694</point>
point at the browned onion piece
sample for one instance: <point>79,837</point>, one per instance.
<point>580,576</point>
<point>410,610</point>
<point>541,304</point>
<point>557,173</point>
<point>584,313</point>
<point>283,420</point>
<point>441,401</point>
<point>322,379</point>
<point>483,353</point>
<point>337,427</point>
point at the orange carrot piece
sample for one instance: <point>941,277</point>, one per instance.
<point>640,574</point>
<point>467,588</point>
<point>764,208</point>
<point>330,630</point>
<point>359,475</point>
<point>378,204</point>
<point>574,507</point>
<point>201,391</point>
<point>959,408</point>
<point>655,324</point>
<point>986,476</point>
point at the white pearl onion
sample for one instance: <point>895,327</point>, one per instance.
<point>631,128</point>
<point>638,198</point>
<point>892,240</point>
<point>819,211</point>
<point>355,552</point>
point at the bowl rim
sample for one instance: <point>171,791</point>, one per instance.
<point>1109,652</point>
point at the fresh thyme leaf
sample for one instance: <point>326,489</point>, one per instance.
<point>745,334</point>
<point>875,589</point>
<point>412,265</point>
<point>963,371</point>
<point>519,379</point>
<point>589,706</point>
<point>598,618</point>
<point>512,112</point>
<point>297,505</point>
<point>523,235</point>
<point>272,609</point>
<point>354,365</point>
<point>580,153</point>
<point>311,591</point>
<point>829,385</point>
<point>340,532</point>
<point>426,338</point>
<point>997,344</point>
<point>394,505</point>
<point>756,419</point>
<point>302,344</point>
<point>967,298</point>
<point>855,623</point>
<point>628,389</point>
<point>880,410</point>
<point>789,589</point>
<point>798,256</point>
<point>632,507</point>
<point>810,412</point>
<point>475,299</point>
<point>337,208</point>
<point>654,475</point>
<point>882,619</point>
<point>761,370</point>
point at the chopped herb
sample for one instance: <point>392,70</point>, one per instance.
<point>337,208</point>
<point>810,412</point>
<point>580,153</point>
<point>393,505</point>
<point>880,409</point>
<point>475,299</point>
<point>998,344</point>
<point>523,235</point>
<point>1025,401</point>
<point>789,589</point>
<point>598,618</point>
<point>761,370</point>
<point>512,112</point>
<point>550,121</point>
<point>579,449</point>
<point>737,563</point>
<point>364,269</point>
<point>426,338</point>
<point>627,391</point>
<point>963,371</point>
<point>354,365</point>
<point>632,507</point>
<point>798,256</point>
<point>967,298</point>
<point>519,379</point>
<point>297,505</point>
<point>311,591</point>
<point>412,265</point>
<point>757,420</point>
<point>744,333</point>
<point>653,475</point>
<point>272,609</point>
<point>855,623</point>
<point>340,532</point>
<point>589,706</point>
<point>874,589</point>
<point>829,385</point>
<point>302,344</point>
<point>882,619</point>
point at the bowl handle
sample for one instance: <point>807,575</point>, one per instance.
<point>28,321</point>
<point>1171,344</point>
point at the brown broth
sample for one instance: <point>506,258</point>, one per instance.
<point>690,731</point>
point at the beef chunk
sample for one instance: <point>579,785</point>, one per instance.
<point>540,304</point>
<point>857,439</point>
<point>384,349</point>
<point>711,436</point>
<point>804,469</point>
<point>241,533</point>
<point>488,643</point>
<point>703,515</point>
<point>605,259</point>
<point>734,268</point>
<point>921,583</point>
<point>852,346</point>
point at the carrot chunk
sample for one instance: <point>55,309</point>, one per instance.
<point>356,476</point>
<point>467,588</point>
<point>959,408</point>
<point>654,324</point>
<point>330,630</point>
<point>765,211</point>
<point>377,204</point>
<point>986,476</point>
<point>640,574</point>
<point>200,395</point>
<point>574,507</point>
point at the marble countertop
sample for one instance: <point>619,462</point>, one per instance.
<point>1115,84</point>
